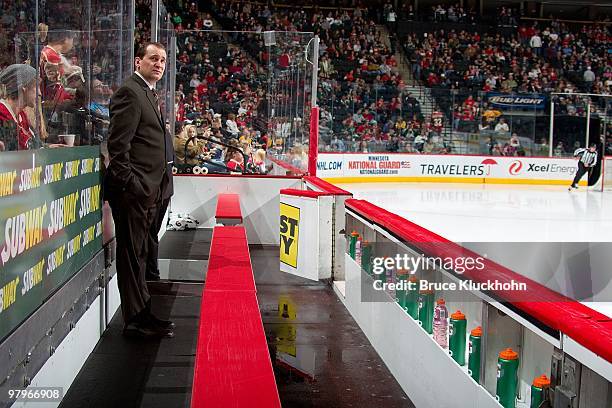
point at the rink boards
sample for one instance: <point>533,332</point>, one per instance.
<point>399,167</point>
<point>558,238</point>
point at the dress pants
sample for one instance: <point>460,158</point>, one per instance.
<point>581,170</point>
<point>153,243</point>
<point>133,221</point>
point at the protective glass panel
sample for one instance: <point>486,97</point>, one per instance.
<point>78,72</point>
<point>605,106</point>
<point>365,115</point>
<point>569,123</point>
<point>81,53</point>
<point>247,97</point>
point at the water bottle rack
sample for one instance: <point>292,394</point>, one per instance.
<point>422,367</point>
<point>417,362</point>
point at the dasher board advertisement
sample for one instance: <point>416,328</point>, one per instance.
<point>299,236</point>
<point>289,234</point>
<point>50,225</point>
<point>356,167</point>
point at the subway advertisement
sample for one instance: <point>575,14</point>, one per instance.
<point>50,225</point>
<point>356,167</point>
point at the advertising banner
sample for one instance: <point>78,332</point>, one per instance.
<point>516,101</point>
<point>355,167</point>
<point>305,234</point>
<point>50,225</point>
<point>289,234</point>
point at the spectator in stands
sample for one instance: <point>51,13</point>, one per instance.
<point>541,149</point>
<point>337,144</point>
<point>183,144</point>
<point>53,92</point>
<point>508,150</point>
<point>327,68</point>
<point>589,78</point>
<point>232,126</point>
<point>419,143</point>
<point>99,99</point>
<point>195,80</point>
<point>234,160</point>
<point>207,23</point>
<point>509,84</point>
<point>502,126</point>
<point>536,43</point>
<point>19,82</point>
<point>391,19</point>
<point>362,147</point>
<point>59,43</point>
<point>559,150</point>
<point>515,142</point>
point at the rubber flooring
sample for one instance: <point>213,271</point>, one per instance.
<point>320,356</point>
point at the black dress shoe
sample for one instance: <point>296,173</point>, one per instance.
<point>146,330</point>
<point>164,324</point>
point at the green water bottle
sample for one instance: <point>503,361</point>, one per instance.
<point>426,306</point>
<point>456,342</point>
<point>507,378</point>
<point>385,276</point>
<point>390,274</point>
<point>401,290</point>
<point>353,243</point>
<point>412,297</point>
<point>366,257</point>
<point>474,353</point>
<point>538,389</point>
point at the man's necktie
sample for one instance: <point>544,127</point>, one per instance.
<point>168,143</point>
<point>157,100</point>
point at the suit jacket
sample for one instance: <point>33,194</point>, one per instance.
<point>139,146</point>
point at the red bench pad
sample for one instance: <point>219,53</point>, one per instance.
<point>228,207</point>
<point>232,367</point>
<point>229,265</point>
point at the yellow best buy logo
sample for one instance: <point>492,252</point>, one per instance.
<point>289,232</point>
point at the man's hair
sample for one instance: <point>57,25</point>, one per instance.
<point>593,145</point>
<point>142,50</point>
<point>58,36</point>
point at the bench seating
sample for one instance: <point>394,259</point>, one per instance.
<point>232,364</point>
<point>228,209</point>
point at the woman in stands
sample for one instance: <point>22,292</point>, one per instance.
<point>194,147</point>
<point>19,91</point>
<point>259,161</point>
<point>362,147</point>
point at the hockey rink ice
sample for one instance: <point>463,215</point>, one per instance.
<point>561,231</point>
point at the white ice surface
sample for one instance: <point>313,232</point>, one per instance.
<point>544,218</point>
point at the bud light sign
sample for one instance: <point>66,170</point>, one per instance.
<point>516,101</point>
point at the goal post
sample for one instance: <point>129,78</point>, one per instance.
<point>605,181</point>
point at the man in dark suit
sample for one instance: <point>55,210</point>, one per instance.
<point>137,181</point>
<point>152,270</point>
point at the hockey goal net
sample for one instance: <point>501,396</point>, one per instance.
<point>606,174</point>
